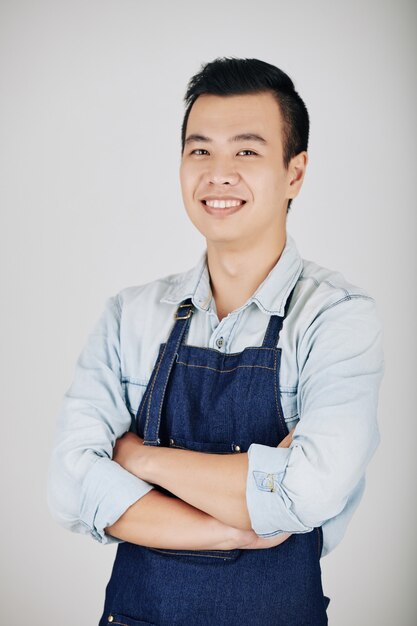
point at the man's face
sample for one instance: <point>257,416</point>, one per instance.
<point>233,152</point>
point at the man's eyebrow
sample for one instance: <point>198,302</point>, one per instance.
<point>236,138</point>
<point>249,137</point>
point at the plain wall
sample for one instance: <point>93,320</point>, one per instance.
<point>90,113</point>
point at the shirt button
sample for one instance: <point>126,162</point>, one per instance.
<point>270,482</point>
<point>237,448</point>
<point>219,342</point>
<point>110,618</point>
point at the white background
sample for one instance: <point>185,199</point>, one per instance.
<point>91,107</point>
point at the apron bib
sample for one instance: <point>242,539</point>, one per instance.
<point>204,400</point>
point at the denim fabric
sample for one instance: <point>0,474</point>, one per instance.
<point>203,400</point>
<point>331,368</point>
<point>269,587</point>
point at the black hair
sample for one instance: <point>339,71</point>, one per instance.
<point>227,76</point>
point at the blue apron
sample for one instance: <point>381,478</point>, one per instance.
<point>204,400</point>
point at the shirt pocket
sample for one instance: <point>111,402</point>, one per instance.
<point>289,407</point>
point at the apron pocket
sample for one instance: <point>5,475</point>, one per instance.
<point>117,619</point>
<point>221,555</point>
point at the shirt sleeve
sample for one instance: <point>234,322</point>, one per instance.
<point>341,365</point>
<point>86,490</point>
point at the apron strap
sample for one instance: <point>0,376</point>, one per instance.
<point>182,318</point>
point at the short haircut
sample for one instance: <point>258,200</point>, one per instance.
<point>228,76</point>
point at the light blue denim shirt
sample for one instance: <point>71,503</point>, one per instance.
<point>331,368</point>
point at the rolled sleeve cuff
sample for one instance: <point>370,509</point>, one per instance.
<point>268,505</point>
<point>107,492</point>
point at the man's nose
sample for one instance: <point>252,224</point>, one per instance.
<point>222,172</point>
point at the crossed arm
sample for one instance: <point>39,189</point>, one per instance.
<point>209,511</point>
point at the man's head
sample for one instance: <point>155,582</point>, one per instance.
<point>230,76</point>
<point>244,136</point>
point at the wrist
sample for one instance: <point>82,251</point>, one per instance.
<point>142,462</point>
<point>223,536</point>
<point>245,538</point>
<point>235,538</point>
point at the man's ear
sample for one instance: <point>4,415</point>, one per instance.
<point>296,171</point>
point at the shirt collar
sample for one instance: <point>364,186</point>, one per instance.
<point>270,296</point>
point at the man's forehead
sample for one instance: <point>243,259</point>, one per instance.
<point>243,117</point>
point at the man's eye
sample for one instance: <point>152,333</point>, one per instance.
<point>200,151</point>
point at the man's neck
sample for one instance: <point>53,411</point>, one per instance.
<point>235,275</point>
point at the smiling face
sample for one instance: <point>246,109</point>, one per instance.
<point>234,184</point>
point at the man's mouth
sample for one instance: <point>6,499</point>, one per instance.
<point>222,207</point>
<point>223,204</point>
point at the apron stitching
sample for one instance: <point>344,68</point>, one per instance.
<point>227,354</point>
<point>250,348</point>
<point>197,553</point>
<point>225,371</point>
<point>179,340</point>
<point>278,401</point>
<point>151,391</point>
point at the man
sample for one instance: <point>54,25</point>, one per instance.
<point>256,440</point>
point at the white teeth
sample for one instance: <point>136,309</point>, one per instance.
<point>223,204</point>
